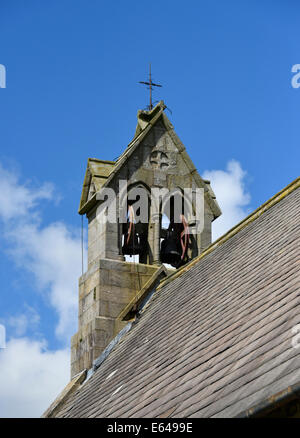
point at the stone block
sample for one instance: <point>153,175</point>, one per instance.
<point>116,294</point>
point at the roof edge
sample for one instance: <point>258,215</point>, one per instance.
<point>65,393</point>
<point>84,205</point>
<point>131,309</point>
<point>233,231</point>
<point>134,143</point>
<point>101,161</point>
<point>275,401</point>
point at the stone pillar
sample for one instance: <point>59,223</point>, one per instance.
<point>156,220</point>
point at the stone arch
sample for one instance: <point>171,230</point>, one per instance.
<point>136,243</point>
<point>176,208</point>
<point>182,205</point>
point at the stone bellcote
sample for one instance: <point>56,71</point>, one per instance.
<point>154,159</point>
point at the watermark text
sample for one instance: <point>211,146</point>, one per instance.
<point>2,76</point>
<point>2,336</point>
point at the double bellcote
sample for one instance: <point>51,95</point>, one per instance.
<point>154,188</point>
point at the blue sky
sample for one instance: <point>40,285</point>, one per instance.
<point>72,92</point>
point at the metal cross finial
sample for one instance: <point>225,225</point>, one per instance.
<point>151,84</point>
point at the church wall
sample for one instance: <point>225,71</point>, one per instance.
<point>103,294</point>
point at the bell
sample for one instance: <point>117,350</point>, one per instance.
<point>132,241</point>
<point>169,252</point>
<point>132,245</point>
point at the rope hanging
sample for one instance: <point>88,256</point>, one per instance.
<point>82,244</point>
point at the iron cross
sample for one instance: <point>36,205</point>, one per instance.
<point>151,84</point>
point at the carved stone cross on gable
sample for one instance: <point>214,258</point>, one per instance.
<point>159,160</point>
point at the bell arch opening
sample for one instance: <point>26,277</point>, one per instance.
<point>134,230</point>
<point>174,230</point>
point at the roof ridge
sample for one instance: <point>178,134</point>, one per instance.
<point>101,161</point>
<point>233,231</point>
<point>156,115</point>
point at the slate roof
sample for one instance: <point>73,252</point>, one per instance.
<point>216,338</point>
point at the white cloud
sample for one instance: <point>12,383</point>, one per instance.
<point>229,188</point>
<point>51,253</point>
<point>31,377</point>
<point>20,323</point>
<point>17,199</point>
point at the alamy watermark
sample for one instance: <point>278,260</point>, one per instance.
<point>149,205</point>
<point>296,78</point>
<point>2,76</point>
<point>2,336</point>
